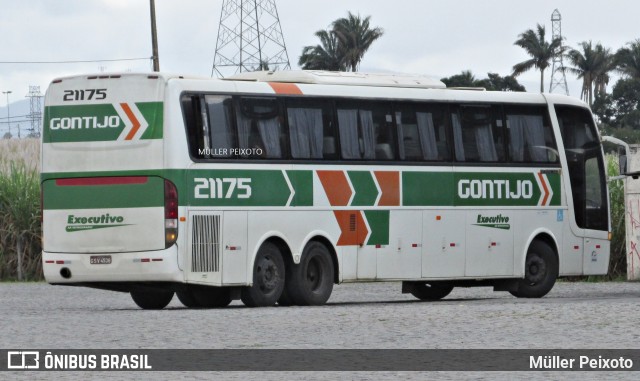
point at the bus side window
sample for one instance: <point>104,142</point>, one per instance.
<point>222,135</point>
<point>421,133</point>
<point>260,129</point>
<point>193,122</point>
<point>477,134</point>
<point>366,131</point>
<point>310,132</point>
<point>530,135</point>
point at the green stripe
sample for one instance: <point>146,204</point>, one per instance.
<point>99,122</point>
<point>364,187</point>
<point>379,224</point>
<point>150,194</point>
<point>302,183</point>
<point>269,187</point>
<point>427,188</point>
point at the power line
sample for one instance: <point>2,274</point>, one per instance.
<point>14,116</point>
<point>75,61</point>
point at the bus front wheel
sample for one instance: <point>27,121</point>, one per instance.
<point>430,291</point>
<point>152,300</point>
<point>540,272</point>
<point>268,278</point>
<point>311,281</point>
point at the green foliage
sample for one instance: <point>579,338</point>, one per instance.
<point>618,260</point>
<point>20,222</point>
<point>342,47</point>
<point>620,109</point>
<point>592,64</point>
<point>540,50</point>
<point>493,82</point>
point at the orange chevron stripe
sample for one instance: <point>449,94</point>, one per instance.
<point>544,186</point>
<point>134,120</point>
<point>353,230</point>
<point>336,187</point>
<point>285,88</point>
<point>390,186</point>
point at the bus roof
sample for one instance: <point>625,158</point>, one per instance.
<point>341,78</point>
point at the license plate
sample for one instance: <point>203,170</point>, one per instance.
<point>100,260</point>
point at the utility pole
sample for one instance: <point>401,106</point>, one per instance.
<point>154,36</point>
<point>558,77</point>
<point>249,38</point>
<point>8,112</point>
<point>35,105</point>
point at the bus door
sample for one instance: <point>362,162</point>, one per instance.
<point>589,204</point>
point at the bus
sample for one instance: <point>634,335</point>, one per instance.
<point>271,187</point>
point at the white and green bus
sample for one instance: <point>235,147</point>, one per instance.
<point>271,187</point>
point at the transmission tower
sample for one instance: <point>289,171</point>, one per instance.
<point>558,77</point>
<point>35,116</point>
<point>249,38</point>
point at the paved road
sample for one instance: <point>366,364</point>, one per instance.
<point>375,315</point>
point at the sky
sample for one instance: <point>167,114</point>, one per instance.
<point>435,38</point>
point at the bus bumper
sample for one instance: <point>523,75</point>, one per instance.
<point>144,266</point>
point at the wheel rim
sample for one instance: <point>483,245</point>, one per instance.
<point>536,269</point>
<point>314,274</point>
<point>268,274</point>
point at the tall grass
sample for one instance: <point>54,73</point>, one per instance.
<point>20,227</point>
<point>618,260</point>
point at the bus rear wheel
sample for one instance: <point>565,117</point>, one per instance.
<point>540,272</point>
<point>311,281</point>
<point>268,278</point>
<point>152,300</point>
<point>430,291</point>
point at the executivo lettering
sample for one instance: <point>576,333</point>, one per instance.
<point>78,223</point>
<point>497,222</point>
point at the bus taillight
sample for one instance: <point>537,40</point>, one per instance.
<point>170,213</point>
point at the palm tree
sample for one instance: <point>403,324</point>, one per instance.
<point>609,63</point>
<point>593,65</point>
<point>355,36</point>
<point>326,56</point>
<point>541,52</point>
<point>629,60</point>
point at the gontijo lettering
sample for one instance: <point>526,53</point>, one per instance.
<point>77,123</point>
<point>495,189</point>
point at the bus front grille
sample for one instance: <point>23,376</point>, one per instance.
<point>205,243</point>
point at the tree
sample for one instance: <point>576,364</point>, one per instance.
<point>494,82</point>
<point>464,79</point>
<point>326,56</point>
<point>629,60</point>
<point>593,65</point>
<point>355,37</point>
<point>497,83</point>
<point>621,109</point>
<point>541,52</point>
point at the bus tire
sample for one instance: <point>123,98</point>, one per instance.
<point>187,299</point>
<point>268,278</point>
<point>211,297</point>
<point>540,272</point>
<point>430,291</point>
<point>285,299</point>
<point>311,281</point>
<point>152,300</point>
